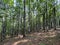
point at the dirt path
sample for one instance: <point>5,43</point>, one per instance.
<point>41,38</point>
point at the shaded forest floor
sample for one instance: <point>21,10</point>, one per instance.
<point>37,38</point>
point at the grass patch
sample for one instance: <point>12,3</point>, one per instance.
<point>42,43</point>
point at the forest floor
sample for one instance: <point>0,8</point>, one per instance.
<point>38,38</point>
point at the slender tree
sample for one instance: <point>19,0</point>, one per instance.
<point>24,20</point>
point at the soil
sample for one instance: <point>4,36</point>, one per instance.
<point>37,38</point>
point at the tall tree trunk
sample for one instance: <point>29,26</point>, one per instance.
<point>49,21</point>
<point>29,18</point>
<point>46,17</point>
<point>3,32</point>
<point>24,20</point>
<point>44,22</point>
<point>54,17</point>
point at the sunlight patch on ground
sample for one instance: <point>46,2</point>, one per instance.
<point>45,34</point>
<point>50,36</point>
<point>21,41</point>
<point>19,36</point>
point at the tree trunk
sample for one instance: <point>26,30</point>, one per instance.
<point>24,20</point>
<point>54,17</point>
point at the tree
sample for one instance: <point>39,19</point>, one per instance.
<point>24,20</point>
